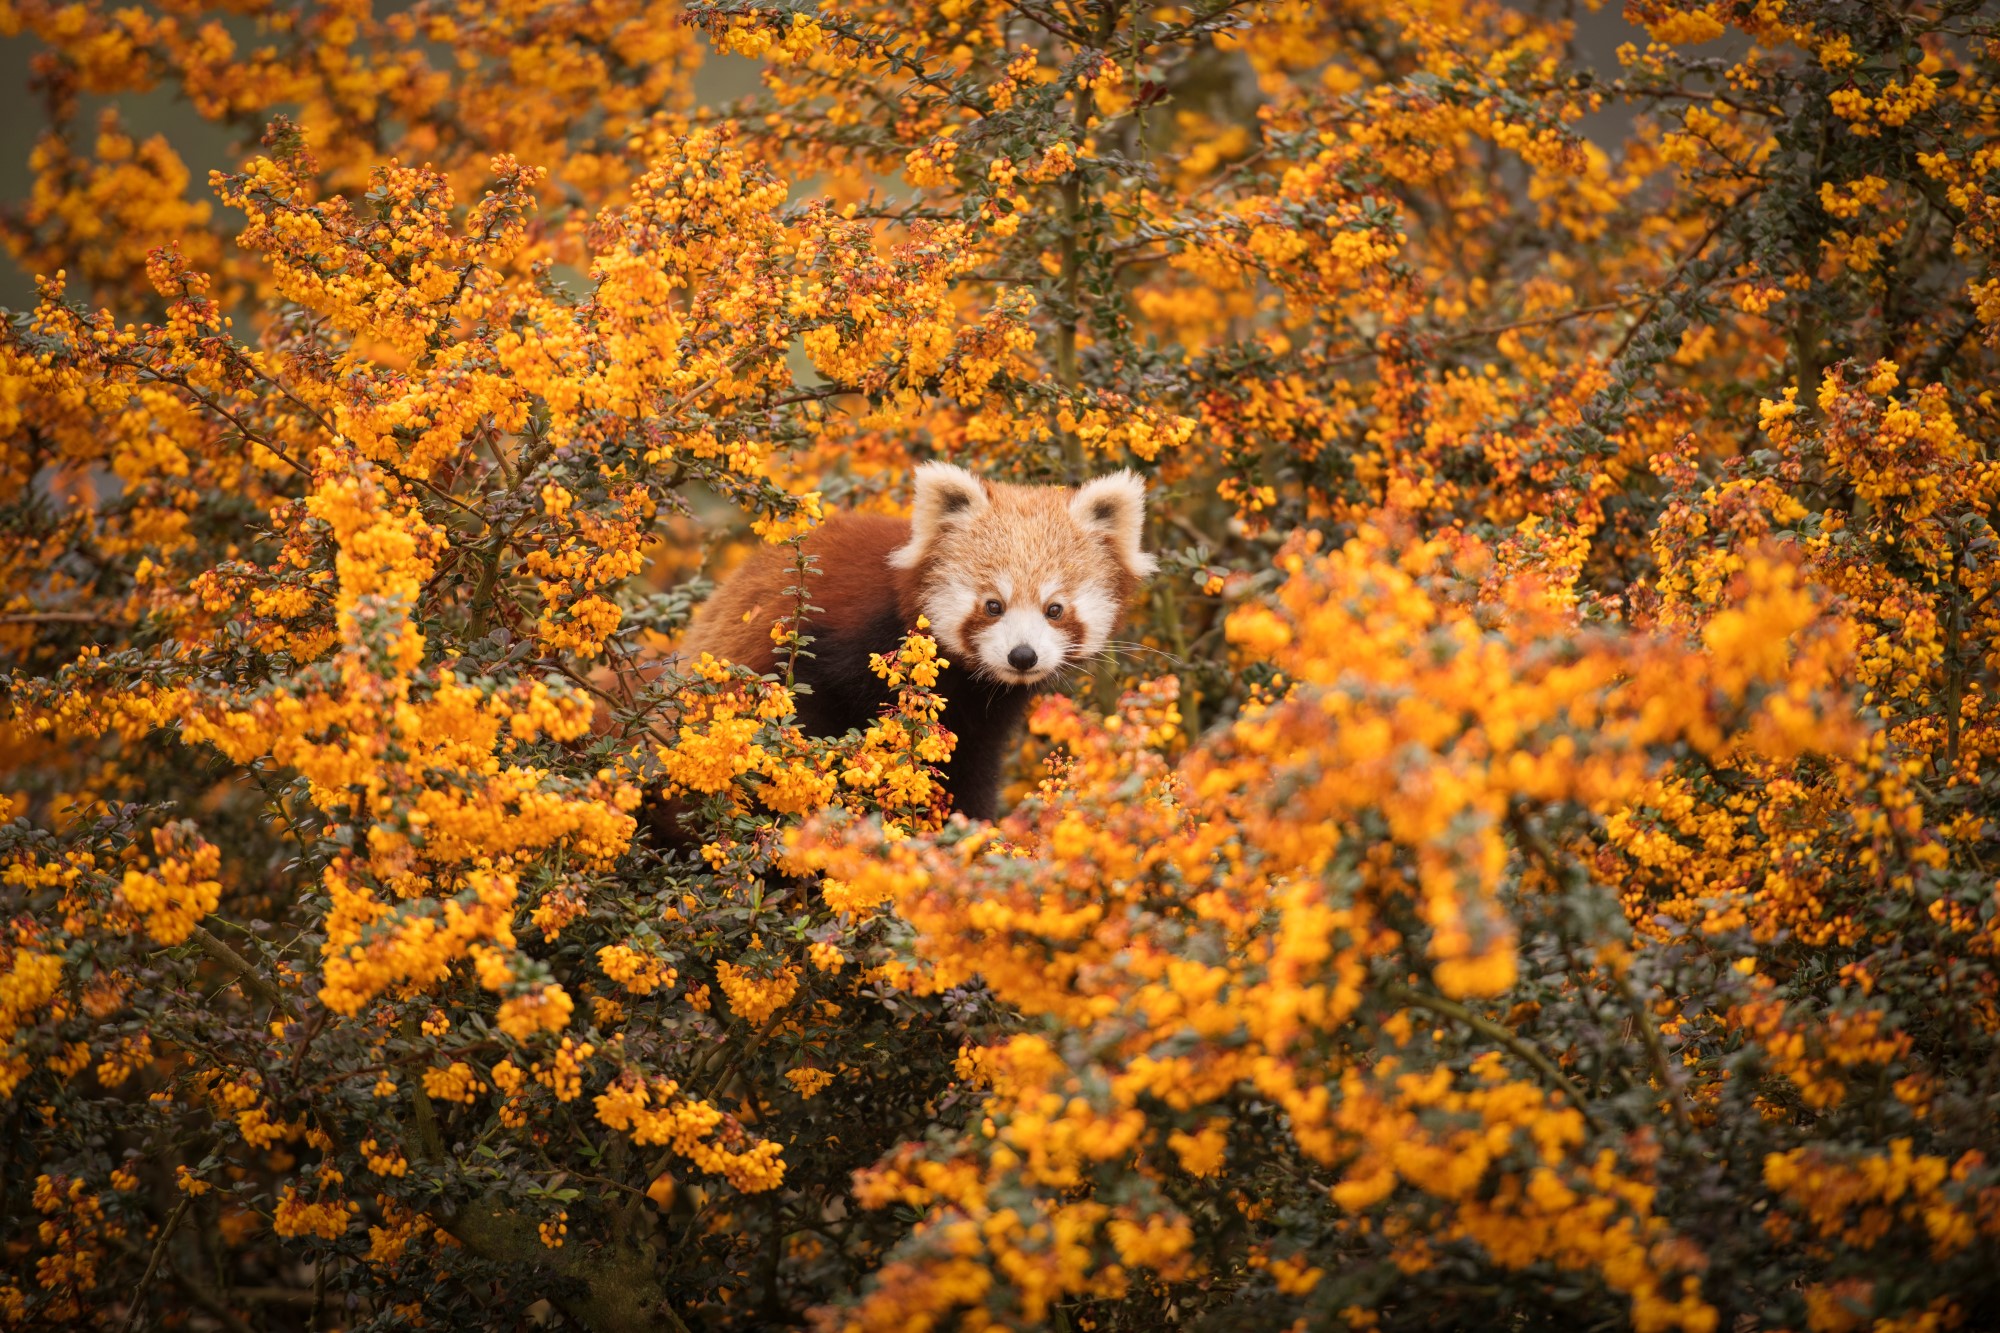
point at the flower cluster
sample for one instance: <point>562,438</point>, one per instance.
<point>1528,849</point>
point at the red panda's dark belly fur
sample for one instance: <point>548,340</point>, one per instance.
<point>866,606</point>
<point>985,716</point>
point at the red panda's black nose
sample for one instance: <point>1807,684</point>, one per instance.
<point>1022,658</point>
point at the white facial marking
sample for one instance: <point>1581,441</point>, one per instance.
<point>1092,608</point>
<point>947,605</point>
<point>1003,647</point>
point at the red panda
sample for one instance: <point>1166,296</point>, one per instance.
<point>1017,582</point>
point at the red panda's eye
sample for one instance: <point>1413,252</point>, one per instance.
<point>1053,610</point>
<point>993,608</point>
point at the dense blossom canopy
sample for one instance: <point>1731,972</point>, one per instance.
<point>1526,863</point>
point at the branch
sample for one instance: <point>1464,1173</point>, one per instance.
<point>242,427</point>
<point>1700,247</point>
<point>1485,1026</point>
<point>489,576</point>
<point>61,618</point>
<point>265,442</point>
<point>430,1144</point>
<point>167,1230</point>
<point>1048,23</point>
<point>824,391</point>
<point>194,1291</point>
<point>1537,321</point>
<point>247,976</point>
<point>1931,367</point>
<point>1656,1051</point>
<point>1071,276</point>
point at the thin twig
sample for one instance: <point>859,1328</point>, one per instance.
<point>1929,368</point>
<point>1479,1023</point>
<point>61,618</point>
<point>1536,321</point>
<point>1048,23</point>
<point>1656,1051</point>
<point>1700,248</point>
<point>167,1230</point>
<point>242,427</point>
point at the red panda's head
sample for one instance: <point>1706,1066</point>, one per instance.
<point>1021,581</point>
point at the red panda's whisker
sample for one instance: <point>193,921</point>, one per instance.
<point>1127,647</point>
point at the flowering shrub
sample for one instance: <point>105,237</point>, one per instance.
<point>1529,863</point>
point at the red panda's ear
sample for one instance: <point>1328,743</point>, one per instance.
<point>945,497</point>
<point>1115,505</point>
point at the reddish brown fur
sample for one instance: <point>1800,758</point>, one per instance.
<point>852,582</point>
<point>1018,583</point>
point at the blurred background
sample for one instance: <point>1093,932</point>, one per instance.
<point>205,146</point>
